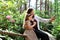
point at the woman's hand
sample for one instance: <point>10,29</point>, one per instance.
<point>52,19</point>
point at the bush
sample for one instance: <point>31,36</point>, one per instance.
<point>10,18</point>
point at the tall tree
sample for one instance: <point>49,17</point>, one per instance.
<point>36,4</point>
<point>41,2</point>
<point>29,2</point>
<point>25,4</point>
<point>50,8</point>
<point>47,7</point>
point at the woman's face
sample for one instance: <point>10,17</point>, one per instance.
<point>30,18</point>
<point>32,12</point>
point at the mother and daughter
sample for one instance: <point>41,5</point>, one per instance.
<point>32,23</point>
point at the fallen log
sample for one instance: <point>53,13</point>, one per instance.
<point>11,33</point>
<point>28,34</point>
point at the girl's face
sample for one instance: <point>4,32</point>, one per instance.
<point>30,18</point>
<point>32,12</point>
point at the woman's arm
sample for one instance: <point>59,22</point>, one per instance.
<point>45,20</point>
<point>42,19</point>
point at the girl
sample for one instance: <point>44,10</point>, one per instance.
<point>29,27</point>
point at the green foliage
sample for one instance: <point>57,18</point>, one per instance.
<point>54,27</point>
<point>9,8</point>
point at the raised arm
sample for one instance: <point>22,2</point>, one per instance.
<point>45,20</point>
<point>42,19</point>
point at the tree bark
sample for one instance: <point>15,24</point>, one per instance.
<point>25,6</point>
<point>41,2</point>
<point>20,9</point>
<point>45,6</point>
<point>11,33</point>
<point>28,34</point>
<point>36,4</point>
<point>29,3</point>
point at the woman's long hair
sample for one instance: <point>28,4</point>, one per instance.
<point>27,15</point>
<point>29,10</point>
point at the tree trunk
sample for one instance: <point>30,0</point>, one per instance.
<point>20,9</point>
<point>45,6</point>
<point>11,33</point>
<point>29,3</point>
<point>25,6</point>
<point>40,5</point>
<point>36,4</point>
<point>48,8</point>
<point>28,34</point>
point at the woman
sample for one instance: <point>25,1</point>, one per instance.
<point>27,24</point>
<point>29,27</point>
<point>40,34</point>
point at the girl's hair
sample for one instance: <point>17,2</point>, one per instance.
<point>29,10</point>
<point>27,16</point>
<point>28,13</point>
